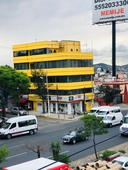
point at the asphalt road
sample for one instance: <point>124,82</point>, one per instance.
<point>53,131</point>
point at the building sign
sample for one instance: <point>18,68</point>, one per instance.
<point>60,98</point>
<point>68,98</point>
<point>109,10</point>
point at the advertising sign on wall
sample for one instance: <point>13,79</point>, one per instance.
<point>109,10</point>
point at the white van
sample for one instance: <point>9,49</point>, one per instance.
<point>124,126</point>
<point>18,126</point>
<point>95,110</point>
<point>109,110</point>
<point>113,119</point>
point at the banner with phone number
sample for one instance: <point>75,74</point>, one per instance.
<point>109,10</point>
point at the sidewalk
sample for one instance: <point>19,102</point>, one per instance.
<point>70,117</point>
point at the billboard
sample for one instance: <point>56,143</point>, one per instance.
<point>109,10</point>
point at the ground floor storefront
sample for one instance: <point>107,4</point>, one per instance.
<point>65,104</point>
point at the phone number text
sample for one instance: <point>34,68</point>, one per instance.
<point>111,4</point>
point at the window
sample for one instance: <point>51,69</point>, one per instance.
<point>31,122</point>
<point>21,66</point>
<point>54,64</point>
<point>27,123</point>
<point>20,53</point>
<point>13,126</point>
<point>38,51</point>
<point>22,124</point>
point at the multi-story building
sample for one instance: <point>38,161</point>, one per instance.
<point>69,70</point>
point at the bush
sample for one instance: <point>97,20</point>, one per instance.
<point>122,151</point>
<point>107,153</point>
<point>62,158</point>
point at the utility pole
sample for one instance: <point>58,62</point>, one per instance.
<point>57,101</point>
<point>84,99</point>
<point>47,93</point>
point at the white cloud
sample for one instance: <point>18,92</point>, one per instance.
<point>27,21</point>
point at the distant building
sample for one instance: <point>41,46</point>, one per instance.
<point>68,69</point>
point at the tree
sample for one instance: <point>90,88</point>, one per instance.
<point>37,147</point>
<point>108,93</point>
<point>10,79</point>
<point>3,153</point>
<point>39,79</point>
<point>55,148</point>
<point>93,126</point>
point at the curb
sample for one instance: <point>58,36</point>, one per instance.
<point>54,118</point>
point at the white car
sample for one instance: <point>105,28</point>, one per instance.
<point>122,160</point>
<point>18,110</point>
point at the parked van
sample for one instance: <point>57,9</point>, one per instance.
<point>95,110</point>
<point>109,110</point>
<point>113,119</point>
<point>18,126</point>
<point>124,126</point>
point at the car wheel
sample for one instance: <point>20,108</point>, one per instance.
<point>121,122</point>
<point>9,136</point>
<point>31,132</point>
<point>110,125</point>
<point>73,141</point>
<point>122,134</point>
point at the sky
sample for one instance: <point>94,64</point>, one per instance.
<point>26,21</point>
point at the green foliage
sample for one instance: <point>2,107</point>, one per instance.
<point>10,79</point>
<point>3,153</point>
<point>107,153</point>
<point>62,158</point>
<point>108,93</point>
<point>40,80</point>
<point>93,126</point>
<point>122,151</point>
<point>55,148</point>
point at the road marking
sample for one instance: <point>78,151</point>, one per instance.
<point>60,153</point>
<point>15,146</point>
<point>1,143</point>
<point>17,155</point>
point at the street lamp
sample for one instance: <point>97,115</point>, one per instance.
<point>18,95</point>
<point>47,91</point>
<point>18,98</point>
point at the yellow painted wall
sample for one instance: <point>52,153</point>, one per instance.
<point>63,49</point>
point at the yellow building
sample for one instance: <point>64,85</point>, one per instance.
<point>68,69</point>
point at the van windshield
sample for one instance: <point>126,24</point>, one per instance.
<point>102,113</point>
<point>92,111</point>
<point>6,125</point>
<point>126,120</point>
<point>107,118</point>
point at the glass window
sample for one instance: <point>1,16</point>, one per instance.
<point>20,53</point>
<point>31,122</point>
<point>13,126</point>
<point>38,51</point>
<point>22,123</point>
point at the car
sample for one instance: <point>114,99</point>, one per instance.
<point>122,160</point>
<point>76,135</point>
<point>18,110</point>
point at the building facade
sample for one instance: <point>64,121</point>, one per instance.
<point>69,70</point>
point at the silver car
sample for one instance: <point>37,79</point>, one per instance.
<point>18,110</point>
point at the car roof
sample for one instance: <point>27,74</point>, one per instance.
<point>121,158</point>
<point>110,108</point>
<point>99,107</point>
<point>21,118</point>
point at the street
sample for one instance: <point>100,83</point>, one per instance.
<point>53,131</point>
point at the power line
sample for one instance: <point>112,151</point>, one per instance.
<point>81,150</point>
